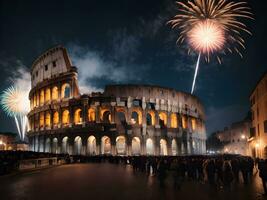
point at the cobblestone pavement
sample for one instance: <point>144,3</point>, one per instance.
<point>108,181</point>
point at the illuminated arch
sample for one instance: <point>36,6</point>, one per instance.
<point>193,124</point>
<point>136,146</point>
<point>91,115</point>
<point>65,117</point>
<point>77,116</point>
<point>47,145</point>
<point>136,117</point>
<point>174,122</point>
<point>106,116</point>
<point>65,91</point>
<point>163,147</point>
<point>184,122</point>
<point>34,100</point>
<point>41,119</point>
<point>78,145</point>
<point>42,97</point>
<point>105,145</point>
<point>162,119</point>
<point>55,93</point>
<point>55,118</point>
<point>150,118</point>
<point>149,147</point>
<point>47,95</point>
<point>121,145</point>
<point>37,99</point>
<point>65,145</point>
<point>174,148</point>
<point>47,119</point>
<point>91,145</point>
<point>54,145</point>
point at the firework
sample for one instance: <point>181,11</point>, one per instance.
<point>212,27</point>
<point>15,104</point>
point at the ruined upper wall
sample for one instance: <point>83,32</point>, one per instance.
<point>52,63</point>
<point>161,96</point>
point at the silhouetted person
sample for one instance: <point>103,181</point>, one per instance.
<point>161,169</point>
<point>228,176</point>
<point>262,165</point>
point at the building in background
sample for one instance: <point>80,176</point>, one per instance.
<point>123,120</point>
<point>258,136</point>
<point>235,138</point>
<point>7,140</point>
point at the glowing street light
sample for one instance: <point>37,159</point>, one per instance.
<point>243,136</point>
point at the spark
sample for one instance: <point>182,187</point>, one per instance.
<point>212,27</point>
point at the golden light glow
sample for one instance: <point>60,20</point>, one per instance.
<point>193,123</point>
<point>91,115</point>
<point>65,90</point>
<point>163,117</point>
<point>152,114</point>
<point>184,122</point>
<point>55,93</point>
<point>56,118</point>
<point>174,123</point>
<point>41,119</point>
<point>206,37</point>
<point>65,117</point>
<point>42,98</point>
<point>139,116</point>
<point>47,95</point>
<point>47,119</point>
<point>77,116</point>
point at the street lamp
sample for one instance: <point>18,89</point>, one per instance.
<point>243,136</point>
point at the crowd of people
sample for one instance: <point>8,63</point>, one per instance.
<point>221,171</point>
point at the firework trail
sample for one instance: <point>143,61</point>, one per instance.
<point>211,27</point>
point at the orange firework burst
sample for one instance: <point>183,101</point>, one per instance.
<point>212,26</point>
<point>206,37</point>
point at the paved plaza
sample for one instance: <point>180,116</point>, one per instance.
<point>110,181</point>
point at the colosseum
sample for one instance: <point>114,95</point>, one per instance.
<point>121,120</point>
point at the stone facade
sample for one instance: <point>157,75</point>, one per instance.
<point>258,137</point>
<point>236,137</point>
<point>123,120</point>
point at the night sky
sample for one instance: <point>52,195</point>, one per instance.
<point>129,42</point>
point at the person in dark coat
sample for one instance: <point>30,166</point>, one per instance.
<point>262,165</point>
<point>161,172</point>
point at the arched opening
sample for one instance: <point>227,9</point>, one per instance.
<point>55,118</point>
<point>65,145</point>
<point>47,95</point>
<point>121,145</point>
<point>121,118</point>
<point>65,117</point>
<point>105,145</point>
<point>106,117</point>
<point>55,93</point>
<point>91,145</point>
<point>193,124</point>
<point>42,99</point>
<point>162,119</point>
<point>47,119</point>
<point>163,147</point>
<point>91,115</point>
<point>184,122</point>
<point>149,147</point>
<point>47,145</point>
<point>65,91</point>
<point>136,146</point>
<point>77,116</point>
<point>136,117</point>
<point>78,145</point>
<point>54,145</point>
<point>34,100</point>
<point>174,123</point>
<point>150,118</point>
<point>41,120</point>
<point>174,148</point>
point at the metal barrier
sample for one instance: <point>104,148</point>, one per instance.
<point>39,163</point>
